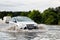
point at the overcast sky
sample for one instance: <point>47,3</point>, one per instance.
<point>26,5</point>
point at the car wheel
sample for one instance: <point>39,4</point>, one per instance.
<point>25,28</point>
<point>35,27</point>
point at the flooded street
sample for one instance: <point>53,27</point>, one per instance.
<point>29,36</point>
<point>53,33</point>
<point>17,36</point>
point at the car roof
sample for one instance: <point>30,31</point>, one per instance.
<point>20,17</point>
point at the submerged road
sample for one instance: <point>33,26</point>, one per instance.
<point>53,33</point>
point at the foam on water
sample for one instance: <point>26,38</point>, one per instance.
<point>34,35</point>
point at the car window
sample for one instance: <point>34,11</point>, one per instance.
<point>13,19</point>
<point>23,19</point>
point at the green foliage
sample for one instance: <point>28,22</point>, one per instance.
<point>24,14</point>
<point>49,20</point>
<point>9,15</point>
<point>35,15</point>
<point>58,17</point>
<point>48,16</point>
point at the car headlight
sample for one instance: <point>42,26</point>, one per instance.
<point>22,25</point>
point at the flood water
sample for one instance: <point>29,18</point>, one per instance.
<point>53,33</point>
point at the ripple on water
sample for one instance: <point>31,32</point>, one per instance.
<point>52,35</point>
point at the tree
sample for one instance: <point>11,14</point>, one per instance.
<point>35,15</point>
<point>49,16</point>
<point>57,10</point>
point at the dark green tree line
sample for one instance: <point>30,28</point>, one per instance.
<point>48,16</point>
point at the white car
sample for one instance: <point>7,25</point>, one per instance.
<point>23,22</point>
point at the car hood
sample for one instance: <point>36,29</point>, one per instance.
<point>26,23</point>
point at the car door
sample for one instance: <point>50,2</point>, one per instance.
<point>13,21</point>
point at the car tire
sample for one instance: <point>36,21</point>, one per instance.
<point>25,28</point>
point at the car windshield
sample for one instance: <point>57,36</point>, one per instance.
<point>23,19</point>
